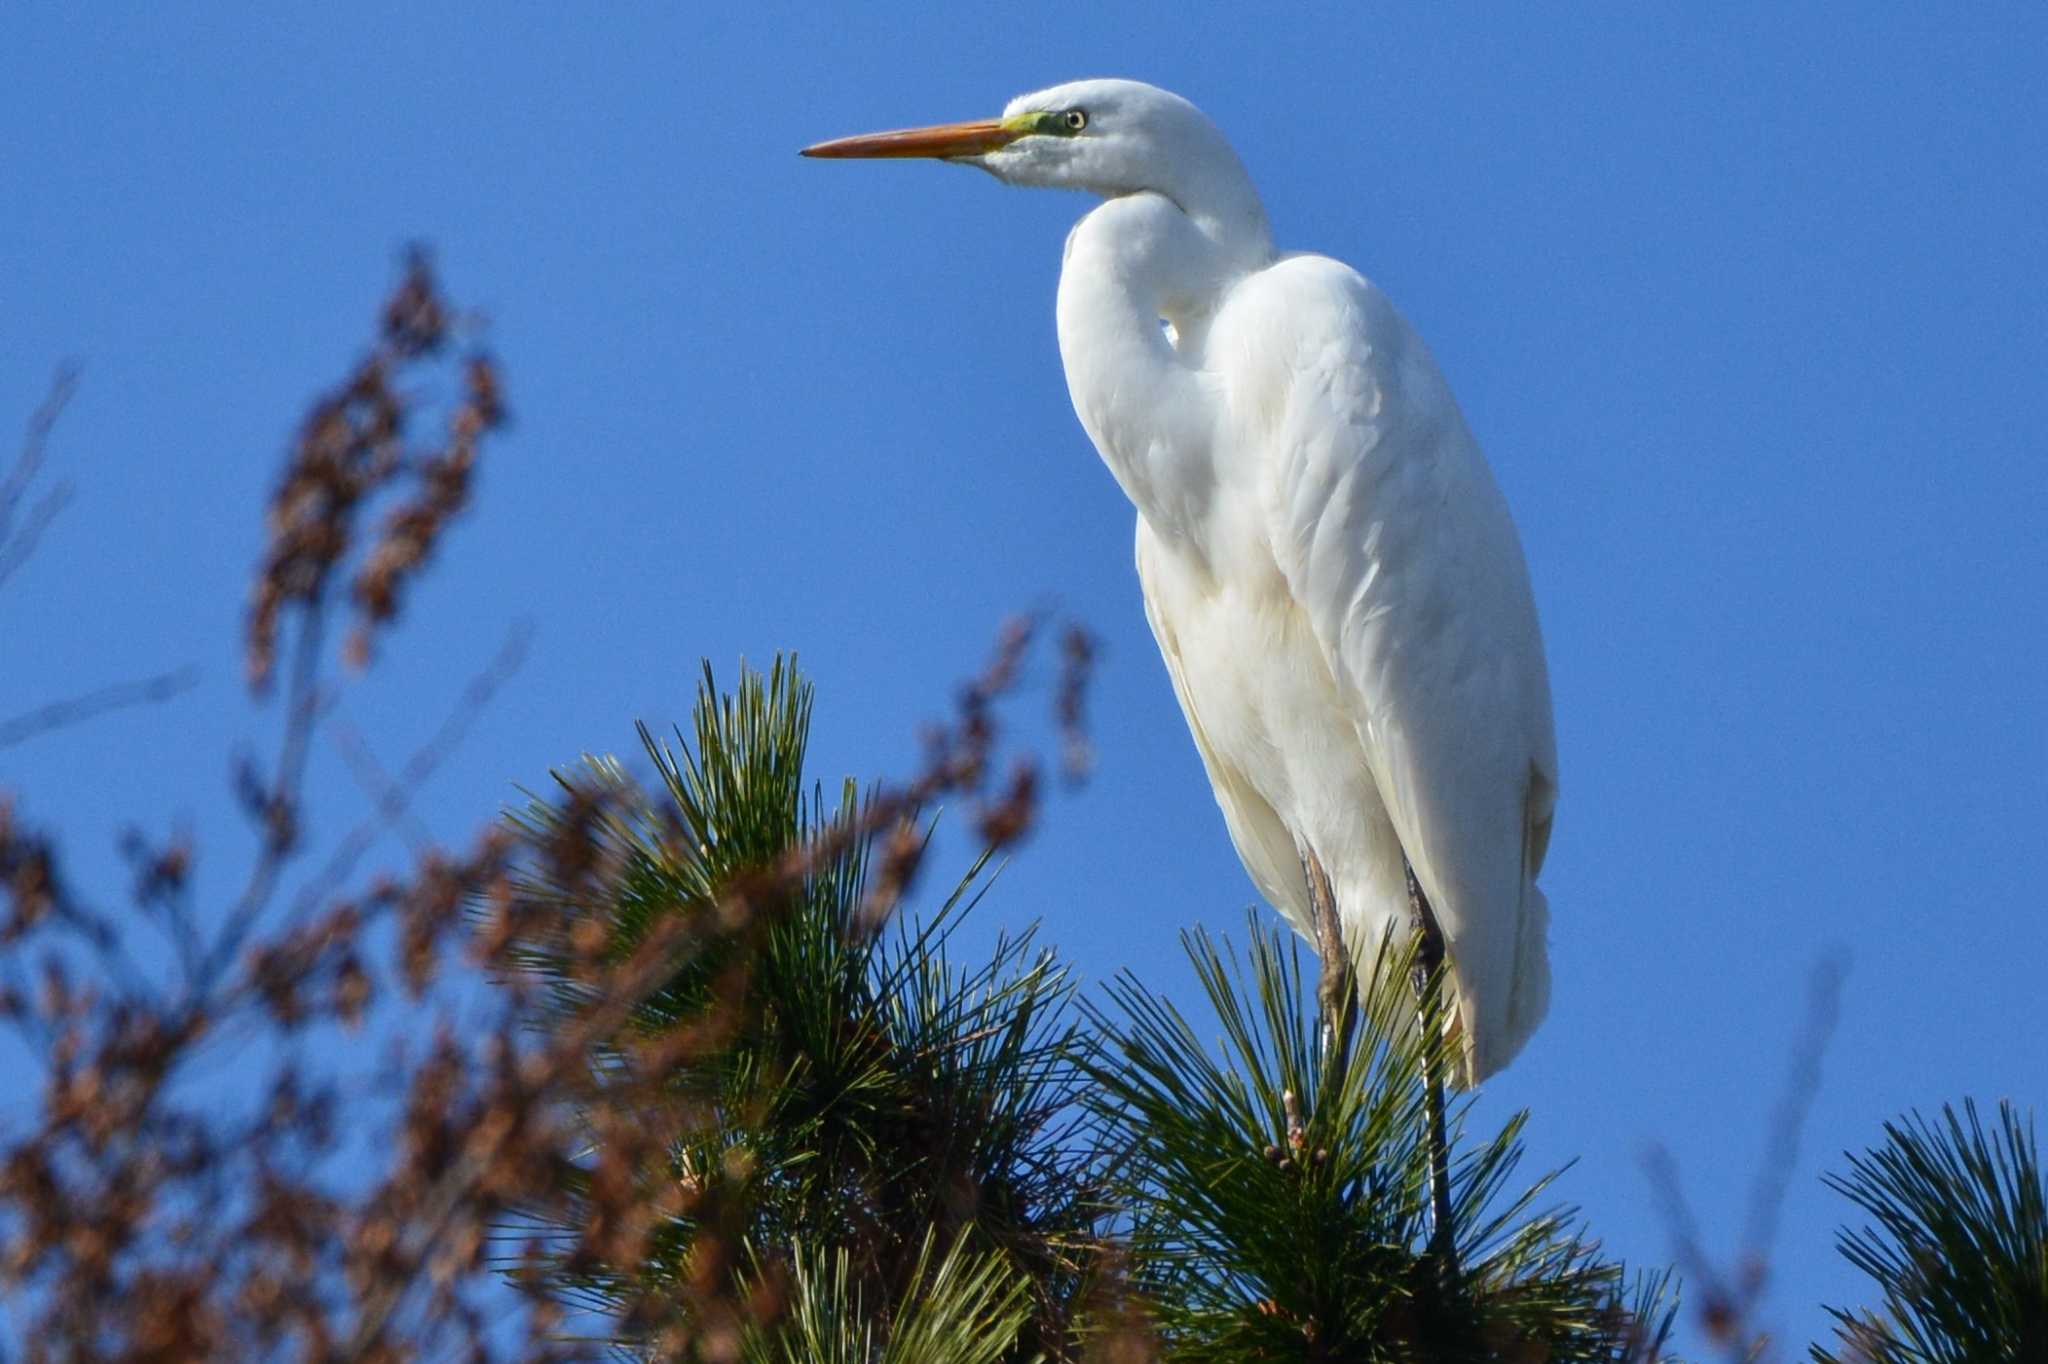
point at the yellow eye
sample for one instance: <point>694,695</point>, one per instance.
<point>1074,120</point>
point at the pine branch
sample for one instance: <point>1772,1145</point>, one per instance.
<point>1959,1248</point>
<point>852,1093</point>
<point>1280,1201</point>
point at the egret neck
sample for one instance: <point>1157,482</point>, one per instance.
<point>1134,262</point>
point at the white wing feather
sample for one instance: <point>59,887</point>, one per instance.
<point>1397,545</point>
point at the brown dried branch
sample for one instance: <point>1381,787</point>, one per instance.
<point>416,525</point>
<point>352,447</point>
<point>141,1216</point>
<point>137,1218</point>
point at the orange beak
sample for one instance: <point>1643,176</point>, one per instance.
<point>944,140</point>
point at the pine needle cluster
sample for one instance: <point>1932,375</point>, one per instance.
<point>1279,1198</point>
<point>1959,1248</point>
<point>894,1140</point>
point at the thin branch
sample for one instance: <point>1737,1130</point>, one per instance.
<point>280,812</point>
<point>1661,1168</point>
<point>395,799</point>
<point>1802,1082</point>
<point>78,709</point>
<point>1728,1301</point>
<point>374,780</point>
<point>62,385</point>
<point>173,894</point>
<point>15,552</point>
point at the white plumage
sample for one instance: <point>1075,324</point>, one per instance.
<point>1330,570</point>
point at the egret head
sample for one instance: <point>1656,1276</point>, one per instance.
<point>1107,137</point>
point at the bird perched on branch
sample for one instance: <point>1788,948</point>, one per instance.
<point>1329,568</point>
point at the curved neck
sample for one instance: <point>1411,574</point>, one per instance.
<point>1144,400</point>
<point>1216,194</point>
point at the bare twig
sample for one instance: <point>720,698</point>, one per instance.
<point>394,800</point>
<point>1728,1298</point>
<point>34,443</point>
<point>77,710</point>
<point>1795,1101</point>
<point>17,551</point>
<point>375,781</point>
<point>277,813</point>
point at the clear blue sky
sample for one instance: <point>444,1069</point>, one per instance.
<point>1747,308</point>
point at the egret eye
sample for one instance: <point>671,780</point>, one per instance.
<point>1074,120</point>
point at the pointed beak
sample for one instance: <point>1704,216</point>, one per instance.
<point>944,140</point>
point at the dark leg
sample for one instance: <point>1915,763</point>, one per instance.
<point>1429,1008</point>
<point>1337,990</point>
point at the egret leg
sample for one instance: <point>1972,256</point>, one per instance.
<point>1337,989</point>
<point>1427,979</point>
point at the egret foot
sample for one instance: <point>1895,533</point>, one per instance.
<point>1337,989</point>
<point>1429,1010</point>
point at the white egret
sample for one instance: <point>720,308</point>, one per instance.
<point>1327,564</point>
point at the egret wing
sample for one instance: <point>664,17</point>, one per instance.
<point>1397,545</point>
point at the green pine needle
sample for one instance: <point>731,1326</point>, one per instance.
<point>969,1309</point>
<point>1280,1211</point>
<point>871,1095</point>
<point>1960,1246</point>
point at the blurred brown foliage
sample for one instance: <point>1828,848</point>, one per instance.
<point>188,1183</point>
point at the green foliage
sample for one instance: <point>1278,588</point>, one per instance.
<point>851,1092</point>
<point>1960,1246</point>
<point>1279,1205</point>
<point>969,1310</point>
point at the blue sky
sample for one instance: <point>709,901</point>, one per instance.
<point>1745,305</point>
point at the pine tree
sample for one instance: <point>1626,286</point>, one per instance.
<point>890,1157</point>
<point>884,1141</point>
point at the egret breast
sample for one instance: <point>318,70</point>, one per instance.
<point>1265,711</point>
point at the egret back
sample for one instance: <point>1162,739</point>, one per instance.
<point>1397,546</point>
